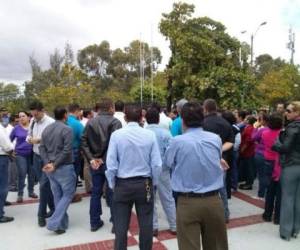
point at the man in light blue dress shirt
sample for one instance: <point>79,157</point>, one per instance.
<point>164,189</point>
<point>133,167</point>
<point>197,175</point>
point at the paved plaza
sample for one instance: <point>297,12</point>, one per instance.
<point>246,230</point>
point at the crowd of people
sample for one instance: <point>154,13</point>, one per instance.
<point>192,159</point>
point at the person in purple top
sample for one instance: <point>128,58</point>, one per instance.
<point>260,127</point>
<point>23,151</point>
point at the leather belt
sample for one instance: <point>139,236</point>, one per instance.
<point>198,195</point>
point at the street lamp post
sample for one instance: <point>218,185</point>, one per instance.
<point>252,38</point>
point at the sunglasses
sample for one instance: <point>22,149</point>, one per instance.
<point>289,111</point>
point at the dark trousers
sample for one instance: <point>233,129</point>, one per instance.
<point>201,216</point>
<point>273,201</point>
<point>260,166</point>
<point>46,196</point>
<point>129,192</point>
<point>98,180</point>
<point>12,174</point>
<point>247,169</point>
<point>4,161</point>
<point>268,168</point>
<point>234,170</point>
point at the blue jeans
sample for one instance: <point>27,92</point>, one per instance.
<point>24,164</point>
<point>62,182</point>
<point>98,180</point>
<point>167,201</point>
<point>4,161</point>
<point>223,195</point>
<point>46,196</point>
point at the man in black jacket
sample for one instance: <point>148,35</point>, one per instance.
<point>94,144</point>
<point>218,125</point>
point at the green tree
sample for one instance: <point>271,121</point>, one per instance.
<point>94,59</point>
<point>205,59</point>
<point>265,64</point>
<point>280,85</point>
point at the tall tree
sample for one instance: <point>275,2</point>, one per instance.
<point>56,59</point>
<point>94,59</point>
<point>69,54</point>
<point>205,59</point>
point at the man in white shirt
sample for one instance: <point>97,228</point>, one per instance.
<point>119,112</point>
<point>37,125</point>
<point>5,148</point>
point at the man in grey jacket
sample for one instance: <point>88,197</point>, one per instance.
<point>56,153</point>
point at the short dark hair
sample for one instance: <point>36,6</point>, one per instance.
<point>133,113</point>
<point>251,119</point>
<point>119,106</point>
<point>192,114</point>
<point>229,116</point>
<point>242,114</point>
<point>156,105</point>
<point>86,112</point>
<point>36,105</point>
<point>210,105</point>
<point>275,121</point>
<point>152,115</point>
<point>73,107</point>
<point>105,104</point>
<point>13,118</point>
<point>59,113</point>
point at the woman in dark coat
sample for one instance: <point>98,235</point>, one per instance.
<point>288,145</point>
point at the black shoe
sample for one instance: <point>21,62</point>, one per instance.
<point>155,233</point>
<point>13,189</point>
<point>266,218</point>
<point>285,238</point>
<point>60,231</point>
<point>49,214</point>
<point>41,221</point>
<point>33,195</point>
<point>95,228</point>
<point>245,187</point>
<point>5,219</point>
<point>7,203</point>
<point>113,230</point>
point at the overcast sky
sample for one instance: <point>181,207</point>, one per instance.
<point>39,26</point>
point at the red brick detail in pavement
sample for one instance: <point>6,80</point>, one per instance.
<point>32,201</point>
<point>158,246</point>
<point>101,245</point>
<point>249,199</point>
<point>134,225</point>
<point>165,235</point>
<point>245,221</point>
